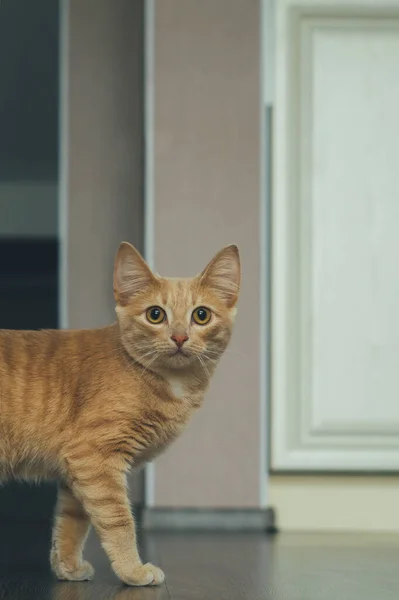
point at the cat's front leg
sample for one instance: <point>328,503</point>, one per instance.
<point>103,494</point>
<point>71,526</point>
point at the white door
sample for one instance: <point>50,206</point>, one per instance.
<point>335,236</point>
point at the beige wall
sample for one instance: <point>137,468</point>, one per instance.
<point>102,155</point>
<point>207,194</point>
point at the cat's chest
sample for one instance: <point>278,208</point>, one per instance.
<point>166,419</point>
<point>162,418</point>
<point>177,388</point>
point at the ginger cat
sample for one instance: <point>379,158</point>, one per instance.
<point>84,407</point>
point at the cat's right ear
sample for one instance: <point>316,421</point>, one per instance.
<point>131,274</point>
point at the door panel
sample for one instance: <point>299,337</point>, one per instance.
<point>335,241</point>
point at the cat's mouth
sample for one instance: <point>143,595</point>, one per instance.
<point>179,352</point>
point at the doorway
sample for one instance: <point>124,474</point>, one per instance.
<point>71,171</point>
<point>29,292</point>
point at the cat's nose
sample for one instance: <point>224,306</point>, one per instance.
<point>179,339</point>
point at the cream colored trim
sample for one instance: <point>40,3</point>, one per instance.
<point>335,503</point>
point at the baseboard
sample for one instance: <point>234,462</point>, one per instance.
<point>350,503</point>
<point>175,519</point>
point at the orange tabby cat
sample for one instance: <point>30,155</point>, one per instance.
<point>85,406</point>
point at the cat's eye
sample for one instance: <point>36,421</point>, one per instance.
<point>202,315</point>
<point>155,315</point>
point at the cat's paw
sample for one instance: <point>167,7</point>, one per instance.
<point>146,574</point>
<point>82,572</point>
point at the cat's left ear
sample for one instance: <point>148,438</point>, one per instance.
<point>132,275</point>
<point>223,275</point>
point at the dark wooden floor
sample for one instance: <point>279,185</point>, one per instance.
<point>214,567</point>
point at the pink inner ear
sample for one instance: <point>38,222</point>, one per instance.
<point>132,274</point>
<point>222,275</point>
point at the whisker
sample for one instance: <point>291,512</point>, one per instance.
<point>140,358</point>
<point>226,351</point>
<point>212,360</point>
<point>119,350</point>
<point>130,361</point>
<point>145,367</point>
<point>203,366</point>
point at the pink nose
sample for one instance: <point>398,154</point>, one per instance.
<point>179,339</point>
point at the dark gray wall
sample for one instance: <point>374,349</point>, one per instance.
<point>29,90</point>
<point>29,82</point>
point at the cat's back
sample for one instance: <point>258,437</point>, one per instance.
<point>38,372</point>
<point>39,353</point>
<point>29,362</point>
<point>28,353</point>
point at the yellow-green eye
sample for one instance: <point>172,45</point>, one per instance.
<point>155,315</point>
<point>202,315</point>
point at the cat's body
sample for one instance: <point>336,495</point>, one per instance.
<point>47,415</point>
<point>84,407</point>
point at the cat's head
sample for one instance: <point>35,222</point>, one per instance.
<point>175,323</point>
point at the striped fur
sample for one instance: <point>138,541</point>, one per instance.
<point>84,407</point>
